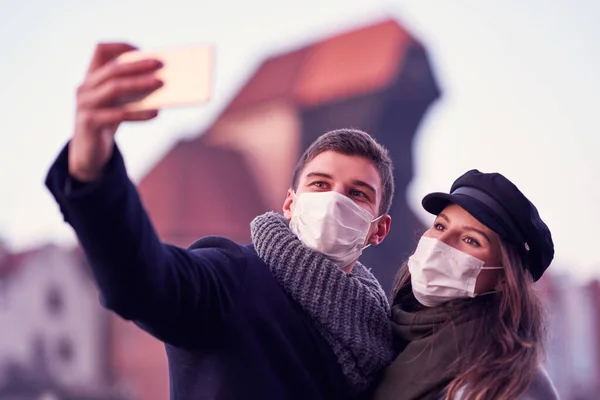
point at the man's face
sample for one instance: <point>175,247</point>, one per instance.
<point>353,176</point>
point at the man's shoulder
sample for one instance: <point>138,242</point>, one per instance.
<point>241,260</point>
<point>217,242</point>
<point>226,247</point>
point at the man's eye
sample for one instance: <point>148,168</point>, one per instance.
<point>319,184</point>
<point>358,193</point>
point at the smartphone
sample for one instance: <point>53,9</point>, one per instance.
<point>187,74</point>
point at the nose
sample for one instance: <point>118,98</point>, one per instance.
<point>340,189</point>
<point>447,237</point>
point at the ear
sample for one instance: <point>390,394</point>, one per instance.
<point>380,230</point>
<point>287,205</point>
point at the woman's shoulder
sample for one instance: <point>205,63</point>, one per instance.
<point>541,387</point>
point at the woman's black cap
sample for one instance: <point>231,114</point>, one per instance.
<point>498,204</point>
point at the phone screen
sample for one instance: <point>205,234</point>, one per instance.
<point>187,74</point>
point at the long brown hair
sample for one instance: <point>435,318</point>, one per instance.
<point>507,342</point>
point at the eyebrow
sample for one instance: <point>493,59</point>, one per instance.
<point>468,228</point>
<point>319,174</point>
<point>356,182</point>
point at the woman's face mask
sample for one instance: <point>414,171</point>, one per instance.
<point>332,224</point>
<point>440,273</point>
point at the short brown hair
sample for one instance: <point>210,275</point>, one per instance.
<point>353,142</point>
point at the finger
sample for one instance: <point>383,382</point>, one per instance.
<point>94,119</point>
<point>114,69</point>
<point>106,52</point>
<point>143,115</point>
<point>113,91</point>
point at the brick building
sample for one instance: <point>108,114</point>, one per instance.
<point>377,78</point>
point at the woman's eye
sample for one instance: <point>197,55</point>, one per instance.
<point>319,184</point>
<point>438,226</point>
<point>472,242</point>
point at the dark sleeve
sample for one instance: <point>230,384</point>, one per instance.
<point>177,295</point>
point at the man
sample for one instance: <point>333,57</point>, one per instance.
<point>290,316</point>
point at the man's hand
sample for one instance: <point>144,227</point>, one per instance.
<point>99,107</point>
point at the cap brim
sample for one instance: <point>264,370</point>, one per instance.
<point>434,203</point>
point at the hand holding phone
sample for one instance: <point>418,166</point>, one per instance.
<point>186,75</point>
<point>125,84</point>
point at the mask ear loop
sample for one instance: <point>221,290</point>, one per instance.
<point>375,220</point>
<point>493,291</point>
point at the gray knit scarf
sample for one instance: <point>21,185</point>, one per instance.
<point>350,310</point>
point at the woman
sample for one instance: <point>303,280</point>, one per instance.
<point>467,320</point>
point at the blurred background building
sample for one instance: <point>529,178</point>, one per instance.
<point>56,342</point>
<point>377,79</point>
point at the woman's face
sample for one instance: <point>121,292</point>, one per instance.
<point>459,229</point>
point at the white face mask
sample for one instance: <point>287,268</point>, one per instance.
<point>440,273</point>
<point>332,224</point>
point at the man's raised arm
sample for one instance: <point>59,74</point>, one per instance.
<point>174,293</point>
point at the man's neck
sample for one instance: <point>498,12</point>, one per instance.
<point>348,268</point>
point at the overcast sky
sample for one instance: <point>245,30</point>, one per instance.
<point>520,91</point>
